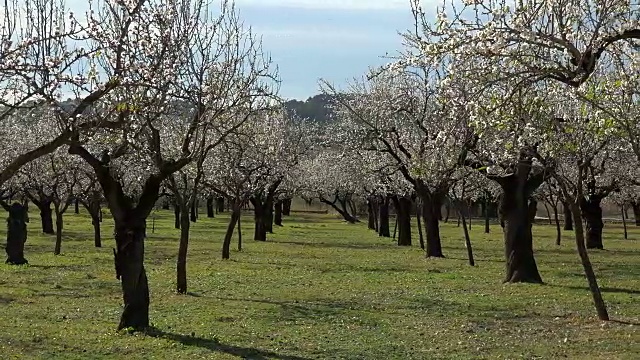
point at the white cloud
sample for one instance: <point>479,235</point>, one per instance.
<point>330,4</point>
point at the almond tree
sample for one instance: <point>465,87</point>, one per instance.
<point>164,116</point>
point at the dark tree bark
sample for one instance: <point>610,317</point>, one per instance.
<point>418,219</point>
<point>239,229</point>
<point>557,221</point>
<point>371,214</point>
<point>383,224</point>
<point>210,210</point>
<point>278,208</point>
<point>181,265</point>
<point>233,222</point>
<point>516,212</point>
<point>286,206</point>
<point>95,211</point>
<point>268,220</point>
<point>165,204</point>
<point>592,214</point>
<point>467,239</point>
<point>636,212</point>
<point>97,237</point>
<point>76,206</point>
<point>129,261</point>
<point>624,223</point>
<point>403,208</point>
<point>16,233</point>
<point>194,211</point>
<point>263,211</point>
<point>260,232</point>
<point>176,215</point>
<point>431,211</point>
<point>59,226</point>
<point>46,214</point>
<point>568,217</point>
<point>220,204</point>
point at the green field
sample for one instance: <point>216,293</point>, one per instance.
<point>319,289</point>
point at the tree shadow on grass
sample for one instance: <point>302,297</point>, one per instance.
<point>216,345</point>
<point>373,246</point>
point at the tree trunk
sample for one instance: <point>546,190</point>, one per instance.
<point>129,261</point>
<point>546,207</point>
<point>97,237</point>
<point>210,212</point>
<point>260,232</point>
<point>46,216</point>
<point>233,222</point>
<point>59,225</point>
<point>447,207</point>
<point>467,239</point>
<point>239,229</point>
<point>430,212</point>
<point>521,264</point>
<point>383,229</point>
<point>636,212</point>
<point>16,234</point>
<point>181,266</point>
<point>371,219</point>
<point>176,216</point>
<point>485,207</point>
<point>568,217</point>
<point>286,206</point>
<point>165,204</point>
<point>557,220</point>
<point>598,301</point>
<point>268,216</point>
<point>403,207</point>
<point>220,204</point>
<point>76,206</point>
<point>278,213</point>
<point>194,211</point>
<point>592,215</point>
<point>624,223</point>
<point>418,219</point>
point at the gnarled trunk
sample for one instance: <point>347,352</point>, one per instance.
<point>592,215</point>
<point>16,234</point>
<point>129,262</point>
<point>233,222</point>
<point>518,239</point>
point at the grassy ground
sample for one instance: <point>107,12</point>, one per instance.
<point>319,289</point>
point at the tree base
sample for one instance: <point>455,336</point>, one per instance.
<point>14,261</point>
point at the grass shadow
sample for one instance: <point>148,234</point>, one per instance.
<point>216,345</point>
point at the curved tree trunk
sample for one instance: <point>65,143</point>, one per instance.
<point>233,222</point>
<point>383,224</point>
<point>592,215</point>
<point>568,217</point>
<point>16,234</point>
<point>129,261</point>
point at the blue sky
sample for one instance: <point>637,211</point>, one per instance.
<point>310,39</point>
<point>333,39</point>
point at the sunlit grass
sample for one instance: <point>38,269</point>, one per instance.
<point>319,289</point>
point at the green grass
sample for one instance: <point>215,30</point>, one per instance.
<point>319,289</point>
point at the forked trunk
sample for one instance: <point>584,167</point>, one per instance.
<point>129,261</point>
<point>16,234</point>
<point>592,215</point>
<point>383,224</point>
